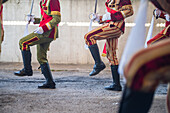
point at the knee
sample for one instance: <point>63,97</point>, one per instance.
<point>86,39</point>
<point>20,44</point>
<point>89,39</point>
<point>88,36</point>
<point>41,59</point>
<point>85,36</point>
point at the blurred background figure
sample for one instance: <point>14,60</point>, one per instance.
<point>165,32</point>
<point>148,68</point>
<point>1,21</point>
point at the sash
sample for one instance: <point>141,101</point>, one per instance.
<point>110,11</point>
<point>45,18</point>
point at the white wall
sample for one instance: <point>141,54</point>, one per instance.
<point>69,47</point>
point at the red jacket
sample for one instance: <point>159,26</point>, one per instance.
<point>50,16</point>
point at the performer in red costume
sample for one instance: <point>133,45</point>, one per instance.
<point>113,27</point>
<point>1,21</point>
<point>166,31</point>
<point>145,70</point>
<point>42,37</point>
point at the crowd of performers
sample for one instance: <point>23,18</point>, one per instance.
<point>146,69</point>
<point>142,78</point>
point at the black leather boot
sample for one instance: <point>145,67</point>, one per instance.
<point>49,84</point>
<point>27,70</point>
<point>116,79</point>
<point>135,101</point>
<point>99,65</point>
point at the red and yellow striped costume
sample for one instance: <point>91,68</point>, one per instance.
<point>112,29</point>
<point>149,67</point>
<point>165,33</point>
<point>146,69</point>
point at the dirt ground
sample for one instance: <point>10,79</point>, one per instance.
<point>75,92</point>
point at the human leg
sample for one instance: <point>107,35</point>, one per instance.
<point>49,84</point>
<point>25,44</point>
<point>106,31</point>
<point>111,46</point>
<point>44,65</point>
<point>99,65</point>
<point>115,86</point>
<point>27,70</point>
<point>90,39</point>
<point>135,101</point>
